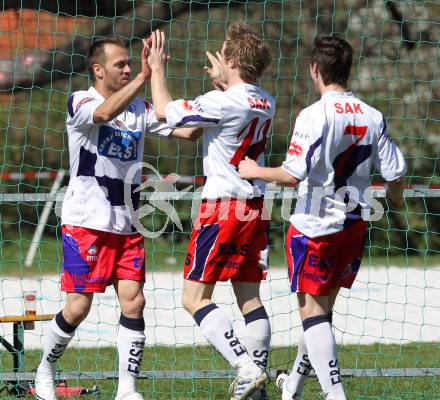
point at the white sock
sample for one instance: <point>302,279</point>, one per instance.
<point>218,331</point>
<point>257,336</point>
<point>56,341</point>
<point>323,355</point>
<point>131,345</point>
<point>302,366</point>
<point>300,370</point>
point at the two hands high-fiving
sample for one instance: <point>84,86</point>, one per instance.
<point>154,58</point>
<point>154,47</point>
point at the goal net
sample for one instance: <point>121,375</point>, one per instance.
<point>387,325</point>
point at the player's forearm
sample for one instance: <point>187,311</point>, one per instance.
<point>394,193</point>
<point>277,175</point>
<point>159,92</point>
<point>118,102</point>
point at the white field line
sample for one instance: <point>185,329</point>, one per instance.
<point>386,305</point>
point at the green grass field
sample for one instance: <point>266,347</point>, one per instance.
<point>205,358</point>
<point>166,256</point>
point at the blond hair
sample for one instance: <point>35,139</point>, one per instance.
<point>247,51</point>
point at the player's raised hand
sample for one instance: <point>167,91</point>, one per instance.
<point>157,56</point>
<point>216,71</point>
<point>248,168</point>
<point>146,70</point>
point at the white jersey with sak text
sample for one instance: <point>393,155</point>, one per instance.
<point>100,157</point>
<point>236,124</point>
<point>334,145</point>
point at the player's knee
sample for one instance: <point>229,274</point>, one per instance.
<point>77,307</point>
<point>76,314</point>
<point>192,304</point>
<point>134,308</point>
<point>139,304</point>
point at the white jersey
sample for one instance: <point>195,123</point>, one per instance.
<point>100,156</point>
<point>334,144</point>
<point>236,124</point>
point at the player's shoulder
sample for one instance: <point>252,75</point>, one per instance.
<point>213,95</point>
<point>308,125</point>
<point>78,98</point>
<point>374,113</point>
<point>80,94</point>
<point>213,101</point>
<point>266,95</point>
<point>370,115</point>
<point>311,109</point>
<point>314,112</point>
<point>310,122</point>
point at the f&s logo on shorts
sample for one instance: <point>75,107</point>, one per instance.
<point>92,254</point>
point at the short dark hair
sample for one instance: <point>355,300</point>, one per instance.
<point>96,53</point>
<point>334,57</point>
<point>247,50</point>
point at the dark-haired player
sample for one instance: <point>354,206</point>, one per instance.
<point>335,143</point>
<point>106,125</point>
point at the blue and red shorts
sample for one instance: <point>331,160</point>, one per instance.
<point>229,241</point>
<point>317,265</point>
<point>93,259</point>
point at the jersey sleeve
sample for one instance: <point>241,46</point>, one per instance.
<point>204,111</point>
<point>302,154</point>
<point>389,160</point>
<point>153,126</point>
<point>80,107</point>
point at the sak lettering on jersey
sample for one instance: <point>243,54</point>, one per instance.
<point>260,103</point>
<point>119,144</point>
<point>353,108</point>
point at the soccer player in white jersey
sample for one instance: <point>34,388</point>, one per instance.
<point>106,126</point>
<point>334,145</point>
<point>229,240</point>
